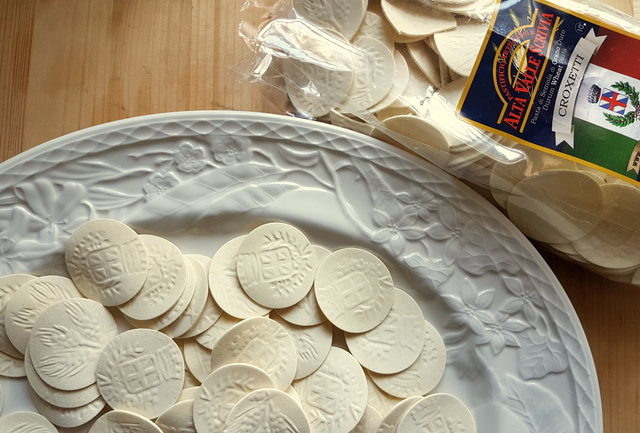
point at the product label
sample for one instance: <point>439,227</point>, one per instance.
<point>564,83</point>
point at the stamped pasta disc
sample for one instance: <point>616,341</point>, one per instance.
<point>210,314</point>
<point>392,420</point>
<point>426,59</point>
<point>418,88</point>
<point>113,421</point>
<point>459,47</point>
<point>210,337</point>
<point>354,289</point>
<point>505,177</point>
<point>396,343</point>
<point>379,399</point>
<point>427,139</point>
<point>54,396</point>
<point>198,360</point>
<point>68,417</point>
<point>377,27</point>
<point>225,286</point>
<point>267,410</point>
<point>313,89</point>
<point>401,107</point>
<point>26,305</point>
<point>293,394</point>
<point>369,422</point>
<point>480,10</point>
<point>178,418</point>
<point>334,397</point>
<point>276,265</point>
<point>411,19</point>
<point>11,367</point>
<point>433,408</point>
<point>26,422</point>
<point>452,92</point>
<point>165,283</point>
<point>261,342</point>
<point>338,119</point>
<point>614,241</point>
<point>107,260</point>
<point>343,16</point>
<point>189,379</point>
<point>141,371</point>
<point>173,314</point>
<point>307,312</point>
<point>191,314</point>
<point>9,285</point>
<point>220,392</point>
<point>189,393</point>
<point>556,206</point>
<point>372,76</point>
<point>423,375</point>
<point>312,345</point>
<point>400,81</point>
<point>67,340</point>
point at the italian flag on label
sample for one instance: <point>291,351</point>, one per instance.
<point>607,112</point>
<point>565,83</point>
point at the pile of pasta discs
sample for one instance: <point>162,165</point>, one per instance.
<point>409,71</point>
<point>416,58</point>
<point>580,213</point>
<point>270,334</point>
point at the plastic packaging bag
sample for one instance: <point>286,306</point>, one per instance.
<point>533,100</point>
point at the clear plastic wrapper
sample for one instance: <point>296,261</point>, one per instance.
<point>532,101</point>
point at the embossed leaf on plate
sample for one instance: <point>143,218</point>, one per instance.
<point>230,188</point>
<point>540,409</point>
<point>539,357</point>
<point>428,269</point>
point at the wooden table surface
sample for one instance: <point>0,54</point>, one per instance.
<point>70,64</point>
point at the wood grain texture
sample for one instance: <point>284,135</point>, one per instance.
<point>70,64</point>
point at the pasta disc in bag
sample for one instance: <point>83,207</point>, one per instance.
<point>556,206</point>
<point>613,243</point>
<point>459,47</point>
<point>343,16</point>
<point>432,142</point>
<point>376,26</point>
<point>373,76</point>
<point>410,19</point>
<point>426,59</point>
<point>400,81</point>
<point>315,90</point>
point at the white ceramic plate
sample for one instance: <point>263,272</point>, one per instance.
<point>517,353</point>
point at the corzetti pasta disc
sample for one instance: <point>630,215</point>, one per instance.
<point>459,47</point>
<point>411,19</point>
<point>556,206</point>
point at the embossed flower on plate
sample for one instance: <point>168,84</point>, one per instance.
<point>395,226</point>
<point>418,200</point>
<point>470,308</point>
<point>159,183</point>
<point>451,228</point>
<point>502,332</point>
<point>61,209</point>
<point>230,150</point>
<point>10,234</point>
<point>189,158</point>
<point>525,300</point>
